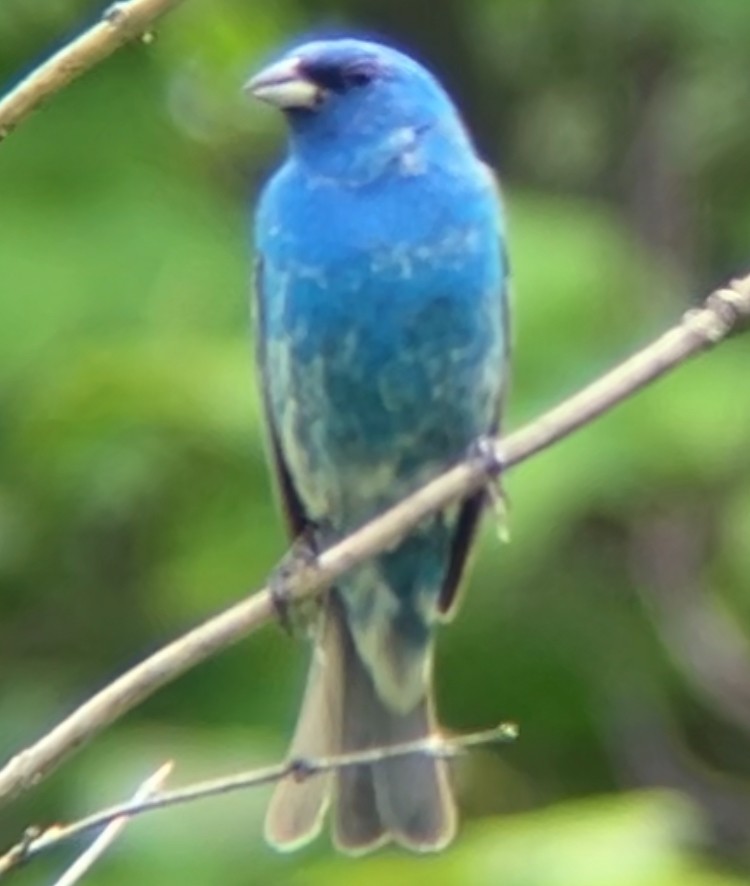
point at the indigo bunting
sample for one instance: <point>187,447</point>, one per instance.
<point>381,335</point>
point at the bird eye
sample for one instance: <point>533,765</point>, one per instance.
<point>340,78</point>
<point>360,75</point>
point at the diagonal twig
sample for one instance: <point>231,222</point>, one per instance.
<point>119,24</point>
<point>148,800</point>
<point>114,827</point>
<point>722,312</point>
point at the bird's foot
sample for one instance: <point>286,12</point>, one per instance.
<point>486,450</point>
<point>295,616</point>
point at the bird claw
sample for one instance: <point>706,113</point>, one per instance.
<point>486,450</point>
<point>499,503</point>
<point>294,616</point>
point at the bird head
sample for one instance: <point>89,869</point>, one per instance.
<point>364,98</point>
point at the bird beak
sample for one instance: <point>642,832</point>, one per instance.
<point>284,85</point>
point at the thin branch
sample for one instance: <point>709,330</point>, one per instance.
<point>698,330</point>
<point>434,745</point>
<point>119,24</point>
<point>114,827</point>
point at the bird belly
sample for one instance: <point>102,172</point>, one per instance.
<point>371,401</point>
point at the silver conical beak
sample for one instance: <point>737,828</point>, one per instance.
<point>284,85</point>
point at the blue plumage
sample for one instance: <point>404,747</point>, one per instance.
<point>382,348</point>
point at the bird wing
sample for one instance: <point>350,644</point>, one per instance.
<point>469,514</point>
<point>466,527</point>
<point>296,518</point>
<point>471,510</point>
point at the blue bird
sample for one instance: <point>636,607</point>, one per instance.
<point>381,332</point>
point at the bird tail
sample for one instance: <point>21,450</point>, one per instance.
<point>406,799</point>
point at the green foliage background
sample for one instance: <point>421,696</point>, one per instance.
<point>134,498</point>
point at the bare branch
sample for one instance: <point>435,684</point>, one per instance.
<point>119,24</point>
<point>147,800</point>
<point>115,826</point>
<point>699,329</point>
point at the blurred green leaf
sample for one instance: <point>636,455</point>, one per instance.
<point>638,841</point>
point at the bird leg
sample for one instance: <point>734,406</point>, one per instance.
<point>485,450</point>
<point>295,617</point>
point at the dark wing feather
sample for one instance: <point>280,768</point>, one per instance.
<point>468,520</point>
<point>294,512</point>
